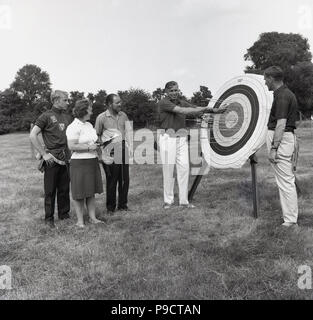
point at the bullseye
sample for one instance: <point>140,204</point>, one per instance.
<point>231,120</point>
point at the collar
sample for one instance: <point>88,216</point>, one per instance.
<point>80,122</point>
<point>57,110</point>
<point>172,100</point>
<point>107,113</point>
<point>277,91</point>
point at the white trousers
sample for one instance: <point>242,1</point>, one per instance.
<point>284,175</point>
<point>174,151</point>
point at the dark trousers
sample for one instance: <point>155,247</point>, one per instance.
<point>56,182</point>
<point>116,174</point>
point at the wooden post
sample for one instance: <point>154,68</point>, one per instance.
<point>255,191</point>
<point>194,187</point>
<point>202,172</point>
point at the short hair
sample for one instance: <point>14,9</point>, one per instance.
<point>170,85</point>
<point>109,98</point>
<point>56,94</point>
<point>275,72</point>
<point>80,108</point>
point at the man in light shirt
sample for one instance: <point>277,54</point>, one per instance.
<point>113,129</point>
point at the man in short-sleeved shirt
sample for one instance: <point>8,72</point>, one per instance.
<point>285,106</point>
<point>170,119</point>
<point>281,142</point>
<point>113,129</point>
<point>52,125</point>
<point>174,145</point>
<point>110,126</point>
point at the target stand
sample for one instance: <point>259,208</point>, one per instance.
<point>236,135</point>
<point>255,191</point>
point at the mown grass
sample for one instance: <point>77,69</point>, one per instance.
<point>217,251</point>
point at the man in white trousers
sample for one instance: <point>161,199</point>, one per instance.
<point>281,142</point>
<point>174,143</point>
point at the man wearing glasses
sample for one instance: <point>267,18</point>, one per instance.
<point>52,125</point>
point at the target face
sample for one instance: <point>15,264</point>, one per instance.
<point>239,132</point>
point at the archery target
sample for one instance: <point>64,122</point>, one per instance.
<point>239,132</point>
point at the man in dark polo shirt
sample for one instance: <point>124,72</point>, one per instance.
<point>174,144</point>
<point>281,142</point>
<point>52,125</point>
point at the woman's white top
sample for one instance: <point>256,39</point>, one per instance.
<point>82,132</point>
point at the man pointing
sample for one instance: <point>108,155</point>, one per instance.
<point>174,143</point>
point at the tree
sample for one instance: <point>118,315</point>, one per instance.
<point>74,96</point>
<point>32,84</point>
<point>139,106</point>
<point>301,82</point>
<point>98,104</point>
<point>281,49</point>
<point>201,98</point>
<point>11,112</point>
<point>157,94</point>
<point>292,53</point>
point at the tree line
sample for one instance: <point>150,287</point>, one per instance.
<point>28,95</point>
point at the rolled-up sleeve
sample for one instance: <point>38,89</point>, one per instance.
<point>186,104</point>
<point>166,106</point>
<point>99,126</point>
<point>42,121</point>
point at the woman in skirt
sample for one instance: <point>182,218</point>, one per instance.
<point>85,172</point>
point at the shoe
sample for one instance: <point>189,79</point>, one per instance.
<point>188,206</point>
<point>65,217</point>
<point>81,226</point>
<point>96,221</point>
<point>167,206</point>
<point>110,212</point>
<point>50,224</point>
<point>124,209</point>
<point>289,224</point>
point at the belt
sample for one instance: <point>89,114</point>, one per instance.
<point>61,151</point>
<point>61,163</point>
<point>286,130</point>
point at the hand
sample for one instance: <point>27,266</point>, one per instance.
<point>207,109</point>
<point>93,147</point>
<point>221,109</point>
<point>273,156</point>
<point>206,117</point>
<point>48,158</point>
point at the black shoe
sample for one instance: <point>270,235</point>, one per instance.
<point>65,216</point>
<point>110,212</point>
<point>50,224</point>
<point>124,209</point>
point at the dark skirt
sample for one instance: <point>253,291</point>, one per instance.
<point>86,178</point>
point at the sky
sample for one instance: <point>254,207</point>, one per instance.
<point>89,45</point>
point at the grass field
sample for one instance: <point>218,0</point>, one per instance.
<point>217,251</point>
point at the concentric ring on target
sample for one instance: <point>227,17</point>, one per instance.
<point>254,108</point>
<point>241,130</point>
